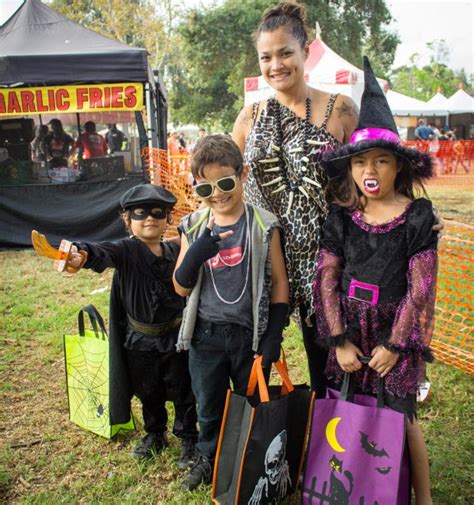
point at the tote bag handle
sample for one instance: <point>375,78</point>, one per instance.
<point>257,378</point>
<point>347,379</point>
<point>96,321</point>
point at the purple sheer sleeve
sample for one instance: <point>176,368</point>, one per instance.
<point>327,300</point>
<point>414,320</point>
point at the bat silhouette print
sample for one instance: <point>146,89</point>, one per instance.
<point>371,447</point>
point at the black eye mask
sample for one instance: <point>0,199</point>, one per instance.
<point>143,211</point>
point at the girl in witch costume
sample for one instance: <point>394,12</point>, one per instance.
<point>282,139</point>
<point>145,315</point>
<point>375,280</point>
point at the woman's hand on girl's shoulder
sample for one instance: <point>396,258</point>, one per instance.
<point>438,227</point>
<point>242,126</point>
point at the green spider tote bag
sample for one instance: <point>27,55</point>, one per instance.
<point>86,357</point>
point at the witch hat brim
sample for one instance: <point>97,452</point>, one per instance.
<point>376,129</point>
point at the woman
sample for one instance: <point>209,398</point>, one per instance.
<point>283,139</point>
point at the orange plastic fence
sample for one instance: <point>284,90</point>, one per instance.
<point>454,162</point>
<point>173,173</point>
<point>454,327</point>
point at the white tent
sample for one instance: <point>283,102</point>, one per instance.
<point>438,101</point>
<point>324,69</point>
<point>460,102</point>
<point>403,105</point>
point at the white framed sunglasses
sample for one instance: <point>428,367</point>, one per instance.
<point>225,184</point>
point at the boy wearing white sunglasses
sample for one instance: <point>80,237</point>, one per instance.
<point>232,269</point>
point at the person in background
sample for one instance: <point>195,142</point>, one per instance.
<point>37,146</point>
<point>114,138</point>
<point>182,142</point>
<point>423,132</point>
<point>201,134</point>
<point>90,143</point>
<point>57,145</point>
<point>173,144</point>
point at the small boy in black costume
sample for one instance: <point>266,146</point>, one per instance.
<point>145,317</point>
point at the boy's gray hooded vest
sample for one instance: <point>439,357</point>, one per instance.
<point>260,234</point>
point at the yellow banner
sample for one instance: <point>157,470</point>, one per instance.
<point>63,99</point>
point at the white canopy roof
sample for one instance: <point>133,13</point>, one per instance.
<point>324,69</point>
<point>460,102</point>
<point>438,101</point>
<point>403,105</point>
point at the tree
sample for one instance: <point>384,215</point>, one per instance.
<point>133,22</point>
<point>218,51</point>
<point>424,82</point>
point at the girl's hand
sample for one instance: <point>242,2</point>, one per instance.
<point>383,360</point>
<point>347,357</point>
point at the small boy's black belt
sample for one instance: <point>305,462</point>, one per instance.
<point>154,330</point>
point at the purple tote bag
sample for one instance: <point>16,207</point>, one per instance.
<point>356,453</point>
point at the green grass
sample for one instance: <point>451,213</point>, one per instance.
<point>46,459</point>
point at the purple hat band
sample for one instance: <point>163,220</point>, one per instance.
<point>374,134</point>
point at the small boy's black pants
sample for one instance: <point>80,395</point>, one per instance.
<point>219,353</point>
<point>158,377</point>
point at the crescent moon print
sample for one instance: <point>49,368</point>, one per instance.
<point>331,435</point>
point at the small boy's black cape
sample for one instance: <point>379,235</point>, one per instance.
<point>120,388</point>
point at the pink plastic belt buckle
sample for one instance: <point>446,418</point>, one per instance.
<point>366,287</point>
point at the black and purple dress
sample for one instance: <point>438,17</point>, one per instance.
<point>376,284</point>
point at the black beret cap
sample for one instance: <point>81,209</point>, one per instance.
<point>147,194</point>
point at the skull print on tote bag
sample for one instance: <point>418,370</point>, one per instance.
<point>261,444</point>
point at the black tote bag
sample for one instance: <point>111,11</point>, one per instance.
<point>262,439</point>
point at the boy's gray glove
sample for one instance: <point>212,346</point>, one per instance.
<point>270,343</point>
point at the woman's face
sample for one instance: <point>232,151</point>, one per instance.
<point>281,59</point>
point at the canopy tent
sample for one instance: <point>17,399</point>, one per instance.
<point>39,46</point>
<point>438,101</point>
<point>324,69</point>
<point>403,105</point>
<point>461,102</point>
<point>41,50</point>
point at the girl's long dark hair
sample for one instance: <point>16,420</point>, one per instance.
<point>344,192</point>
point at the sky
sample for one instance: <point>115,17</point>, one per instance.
<point>416,21</point>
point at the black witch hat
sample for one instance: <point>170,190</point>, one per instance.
<point>376,128</point>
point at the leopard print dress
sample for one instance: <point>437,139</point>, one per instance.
<point>301,222</point>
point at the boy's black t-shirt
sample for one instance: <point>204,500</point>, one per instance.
<point>145,283</point>
<point>231,279</point>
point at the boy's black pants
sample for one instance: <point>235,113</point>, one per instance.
<point>160,376</point>
<point>219,353</point>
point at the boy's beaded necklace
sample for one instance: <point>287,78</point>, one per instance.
<point>247,252</point>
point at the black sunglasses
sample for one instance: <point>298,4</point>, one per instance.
<point>225,184</point>
<point>142,212</point>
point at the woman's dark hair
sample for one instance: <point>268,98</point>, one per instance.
<point>344,192</point>
<point>289,15</point>
<point>217,148</point>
